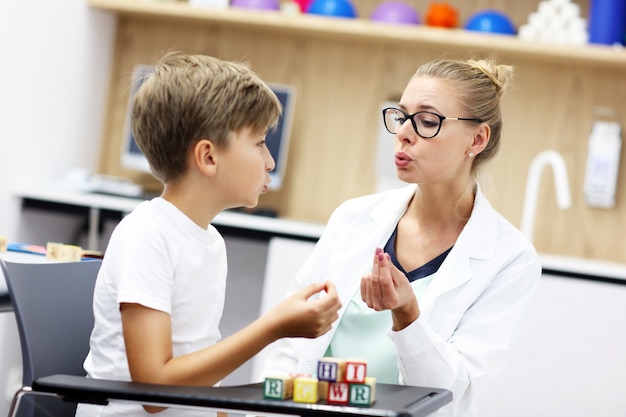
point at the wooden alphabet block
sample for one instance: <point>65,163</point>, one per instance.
<point>53,250</point>
<point>338,381</point>
<point>278,387</point>
<point>64,253</point>
<point>363,394</point>
<point>331,369</point>
<point>356,371</point>
<point>305,390</point>
<point>338,393</point>
<point>71,253</point>
<point>322,389</point>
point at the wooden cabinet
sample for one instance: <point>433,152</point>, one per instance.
<point>344,69</point>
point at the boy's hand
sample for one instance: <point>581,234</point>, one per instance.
<point>300,317</point>
<point>387,288</point>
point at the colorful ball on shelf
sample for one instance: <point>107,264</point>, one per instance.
<point>336,8</point>
<point>395,12</point>
<point>256,4</point>
<point>303,4</point>
<point>442,15</point>
<point>491,21</point>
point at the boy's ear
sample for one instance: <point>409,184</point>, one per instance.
<point>481,138</point>
<point>204,154</point>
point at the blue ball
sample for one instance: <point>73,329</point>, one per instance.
<point>491,21</point>
<point>337,8</point>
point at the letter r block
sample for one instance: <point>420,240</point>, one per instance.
<point>363,394</point>
<point>278,387</point>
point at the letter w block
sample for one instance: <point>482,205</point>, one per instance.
<point>338,393</point>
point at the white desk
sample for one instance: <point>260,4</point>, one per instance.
<point>95,203</point>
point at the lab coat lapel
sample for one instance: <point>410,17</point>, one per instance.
<point>476,241</point>
<point>362,241</point>
<point>353,255</point>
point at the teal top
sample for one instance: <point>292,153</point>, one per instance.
<point>362,332</point>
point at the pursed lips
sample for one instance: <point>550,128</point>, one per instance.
<point>402,159</point>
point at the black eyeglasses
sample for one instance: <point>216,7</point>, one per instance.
<point>425,123</point>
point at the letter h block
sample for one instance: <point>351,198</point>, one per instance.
<point>331,369</point>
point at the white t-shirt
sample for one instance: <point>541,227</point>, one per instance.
<point>159,258</point>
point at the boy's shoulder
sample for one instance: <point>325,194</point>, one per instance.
<point>147,219</point>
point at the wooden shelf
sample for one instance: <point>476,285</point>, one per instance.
<point>367,31</point>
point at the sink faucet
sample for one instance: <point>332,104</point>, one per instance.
<point>561,183</point>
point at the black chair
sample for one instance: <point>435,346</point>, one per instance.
<point>53,308</point>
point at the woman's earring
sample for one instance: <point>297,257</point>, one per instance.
<point>471,154</point>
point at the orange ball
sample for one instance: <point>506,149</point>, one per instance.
<point>442,15</point>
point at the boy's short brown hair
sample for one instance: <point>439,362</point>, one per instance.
<point>192,97</point>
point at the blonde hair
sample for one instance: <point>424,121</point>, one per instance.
<point>192,97</point>
<point>481,84</point>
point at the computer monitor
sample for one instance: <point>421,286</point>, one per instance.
<point>277,139</point>
<point>131,156</point>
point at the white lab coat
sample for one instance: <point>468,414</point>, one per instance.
<point>470,314</point>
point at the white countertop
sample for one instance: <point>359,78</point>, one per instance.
<point>581,266</point>
<point>295,228</point>
<point>126,205</point>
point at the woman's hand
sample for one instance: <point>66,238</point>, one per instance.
<point>387,288</point>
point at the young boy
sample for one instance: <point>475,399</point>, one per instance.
<point>201,123</point>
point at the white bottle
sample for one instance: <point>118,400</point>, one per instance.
<point>605,145</point>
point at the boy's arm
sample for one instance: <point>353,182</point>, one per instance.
<point>148,340</point>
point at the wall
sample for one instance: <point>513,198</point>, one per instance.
<point>53,82</point>
<point>340,85</point>
<point>54,79</point>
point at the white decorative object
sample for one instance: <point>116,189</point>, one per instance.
<point>214,4</point>
<point>561,183</point>
<point>556,21</point>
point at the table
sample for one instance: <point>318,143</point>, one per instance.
<point>391,400</point>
